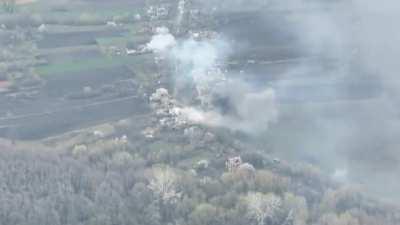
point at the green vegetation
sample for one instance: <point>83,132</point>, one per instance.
<point>77,66</point>
<point>79,12</point>
<point>119,42</point>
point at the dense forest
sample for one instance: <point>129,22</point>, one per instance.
<point>113,181</point>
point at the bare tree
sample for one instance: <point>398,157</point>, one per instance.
<point>164,184</point>
<point>262,206</point>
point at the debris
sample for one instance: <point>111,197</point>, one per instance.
<point>130,51</point>
<point>123,140</point>
<point>87,90</point>
<point>111,23</point>
<point>98,134</point>
<point>276,160</point>
<point>149,132</point>
<point>236,165</point>
<point>138,17</point>
<point>79,150</point>
<point>233,163</point>
<point>42,28</point>
<point>158,12</point>
<point>202,164</point>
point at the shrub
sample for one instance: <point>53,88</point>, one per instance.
<point>228,200</point>
<point>122,159</point>
<point>204,214</point>
<point>262,207</point>
<point>297,207</point>
<point>164,183</point>
<point>79,150</point>
<point>340,200</point>
<point>266,181</point>
<point>212,187</point>
<point>342,219</point>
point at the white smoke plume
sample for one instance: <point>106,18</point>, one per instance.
<point>195,64</point>
<point>161,41</point>
<point>254,112</point>
<point>250,110</point>
<point>199,68</point>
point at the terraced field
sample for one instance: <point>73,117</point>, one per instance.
<point>81,80</point>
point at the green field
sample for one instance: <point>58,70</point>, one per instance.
<point>78,12</point>
<point>77,66</point>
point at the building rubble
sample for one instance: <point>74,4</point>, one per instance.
<point>166,112</point>
<point>169,114</point>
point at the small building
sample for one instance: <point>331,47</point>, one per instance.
<point>233,163</point>
<point>236,165</point>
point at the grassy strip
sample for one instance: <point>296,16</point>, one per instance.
<point>134,63</point>
<point>76,29</point>
<point>77,66</point>
<point>113,41</point>
<point>67,50</point>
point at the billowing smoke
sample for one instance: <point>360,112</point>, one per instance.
<point>253,112</point>
<point>339,109</point>
<point>161,41</point>
<point>247,109</point>
<point>244,109</point>
<point>348,116</point>
<point>196,67</point>
<point>199,73</point>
